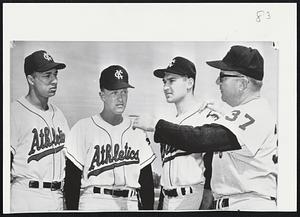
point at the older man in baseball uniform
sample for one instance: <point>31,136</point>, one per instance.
<point>243,136</point>
<point>38,131</point>
<point>112,160</point>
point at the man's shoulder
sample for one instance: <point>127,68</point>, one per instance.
<point>259,107</point>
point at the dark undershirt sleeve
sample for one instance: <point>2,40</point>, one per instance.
<point>206,138</point>
<point>207,158</point>
<point>72,185</point>
<point>147,188</point>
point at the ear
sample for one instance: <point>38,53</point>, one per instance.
<point>190,83</point>
<point>30,79</point>
<point>102,96</point>
<point>244,84</point>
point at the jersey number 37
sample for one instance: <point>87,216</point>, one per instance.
<point>235,114</point>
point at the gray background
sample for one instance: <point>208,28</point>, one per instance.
<point>78,87</point>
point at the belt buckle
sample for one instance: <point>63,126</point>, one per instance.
<point>113,192</point>
<point>53,186</point>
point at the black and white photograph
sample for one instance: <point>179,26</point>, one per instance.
<point>116,112</point>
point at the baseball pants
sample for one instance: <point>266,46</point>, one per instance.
<point>25,199</point>
<point>190,200</point>
<point>246,202</point>
<point>90,201</point>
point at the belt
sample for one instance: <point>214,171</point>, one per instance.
<point>52,185</point>
<point>115,192</point>
<point>177,191</point>
<point>224,202</point>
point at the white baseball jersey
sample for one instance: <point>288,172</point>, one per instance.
<point>37,143</point>
<point>252,168</point>
<point>181,168</point>
<point>108,155</point>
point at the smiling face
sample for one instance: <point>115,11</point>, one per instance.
<point>114,100</point>
<point>45,83</point>
<point>175,87</point>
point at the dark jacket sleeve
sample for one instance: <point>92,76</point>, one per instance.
<point>208,169</point>
<point>72,185</point>
<point>206,138</point>
<point>146,192</point>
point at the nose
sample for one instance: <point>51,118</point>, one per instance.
<point>165,87</point>
<point>119,97</point>
<point>54,79</point>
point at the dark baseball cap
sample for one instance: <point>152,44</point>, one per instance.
<point>244,60</point>
<point>114,77</point>
<point>180,66</point>
<point>40,61</point>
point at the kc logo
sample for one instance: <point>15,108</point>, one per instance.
<point>172,63</point>
<point>47,57</point>
<point>118,74</point>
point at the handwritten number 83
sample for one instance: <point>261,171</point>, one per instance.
<point>235,115</point>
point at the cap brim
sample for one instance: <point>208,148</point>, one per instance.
<point>51,65</point>
<point>160,73</point>
<point>119,85</point>
<point>219,64</point>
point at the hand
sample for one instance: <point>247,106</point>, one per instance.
<point>220,108</point>
<point>207,200</point>
<point>145,122</point>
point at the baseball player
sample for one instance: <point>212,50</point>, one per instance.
<point>38,131</point>
<point>182,188</point>
<point>243,138</point>
<point>114,160</point>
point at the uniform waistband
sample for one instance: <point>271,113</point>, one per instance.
<point>180,191</point>
<point>116,192</point>
<point>224,201</point>
<point>53,186</point>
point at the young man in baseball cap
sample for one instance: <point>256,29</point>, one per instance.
<point>113,160</point>
<point>184,177</point>
<point>244,139</point>
<point>38,130</point>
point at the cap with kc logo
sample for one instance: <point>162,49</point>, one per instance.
<point>114,77</point>
<point>244,60</point>
<point>40,61</point>
<point>180,66</point>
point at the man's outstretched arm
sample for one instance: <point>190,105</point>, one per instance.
<point>206,138</point>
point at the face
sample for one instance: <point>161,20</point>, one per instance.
<point>115,100</point>
<point>229,83</point>
<point>44,83</point>
<point>175,87</point>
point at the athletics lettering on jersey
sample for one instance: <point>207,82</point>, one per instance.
<point>169,150</point>
<point>213,115</point>
<point>118,158</point>
<point>166,149</point>
<point>43,142</point>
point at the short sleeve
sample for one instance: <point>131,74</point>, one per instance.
<point>250,128</point>
<point>147,155</point>
<point>75,145</point>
